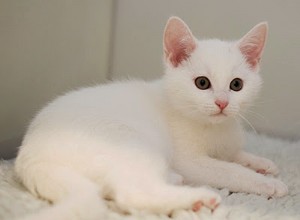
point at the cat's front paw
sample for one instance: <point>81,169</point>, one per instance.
<point>266,166</point>
<point>280,189</point>
<point>207,198</point>
<point>274,188</point>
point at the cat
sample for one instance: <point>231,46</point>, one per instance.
<point>145,144</point>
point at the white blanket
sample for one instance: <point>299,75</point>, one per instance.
<point>16,202</point>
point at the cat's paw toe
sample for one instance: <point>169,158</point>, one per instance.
<point>208,199</point>
<point>197,206</point>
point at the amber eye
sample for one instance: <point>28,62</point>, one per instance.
<point>236,84</point>
<point>202,82</point>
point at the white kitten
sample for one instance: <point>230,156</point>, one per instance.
<point>134,141</point>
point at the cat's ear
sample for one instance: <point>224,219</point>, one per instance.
<point>179,41</point>
<point>253,43</point>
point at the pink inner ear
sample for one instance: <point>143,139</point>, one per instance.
<point>179,51</point>
<point>179,42</point>
<point>252,54</point>
<point>252,44</point>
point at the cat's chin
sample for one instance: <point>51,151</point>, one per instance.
<point>218,118</point>
<point>212,119</point>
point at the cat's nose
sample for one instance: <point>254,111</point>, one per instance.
<point>221,104</point>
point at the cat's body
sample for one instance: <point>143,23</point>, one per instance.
<point>135,141</point>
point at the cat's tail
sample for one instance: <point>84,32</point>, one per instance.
<point>74,196</point>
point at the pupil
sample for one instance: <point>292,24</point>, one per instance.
<point>202,82</point>
<point>236,84</point>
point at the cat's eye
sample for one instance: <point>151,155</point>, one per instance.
<point>202,82</point>
<point>236,84</point>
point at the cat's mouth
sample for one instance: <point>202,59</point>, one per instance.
<point>219,114</point>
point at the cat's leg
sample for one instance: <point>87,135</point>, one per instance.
<point>73,196</point>
<point>140,181</point>
<point>236,178</point>
<point>259,164</point>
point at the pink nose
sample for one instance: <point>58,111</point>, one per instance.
<point>221,104</point>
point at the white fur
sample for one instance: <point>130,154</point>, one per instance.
<point>148,135</point>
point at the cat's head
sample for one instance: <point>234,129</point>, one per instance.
<point>211,80</point>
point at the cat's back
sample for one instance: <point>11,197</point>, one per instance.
<point>102,98</point>
<point>116,101</point>
<point>102,120</point>
<point>89,121</point>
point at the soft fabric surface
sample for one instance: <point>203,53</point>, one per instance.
<point>15,201</point>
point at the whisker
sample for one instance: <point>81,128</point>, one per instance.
<point>257,115</point>
<point>248,122</point>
